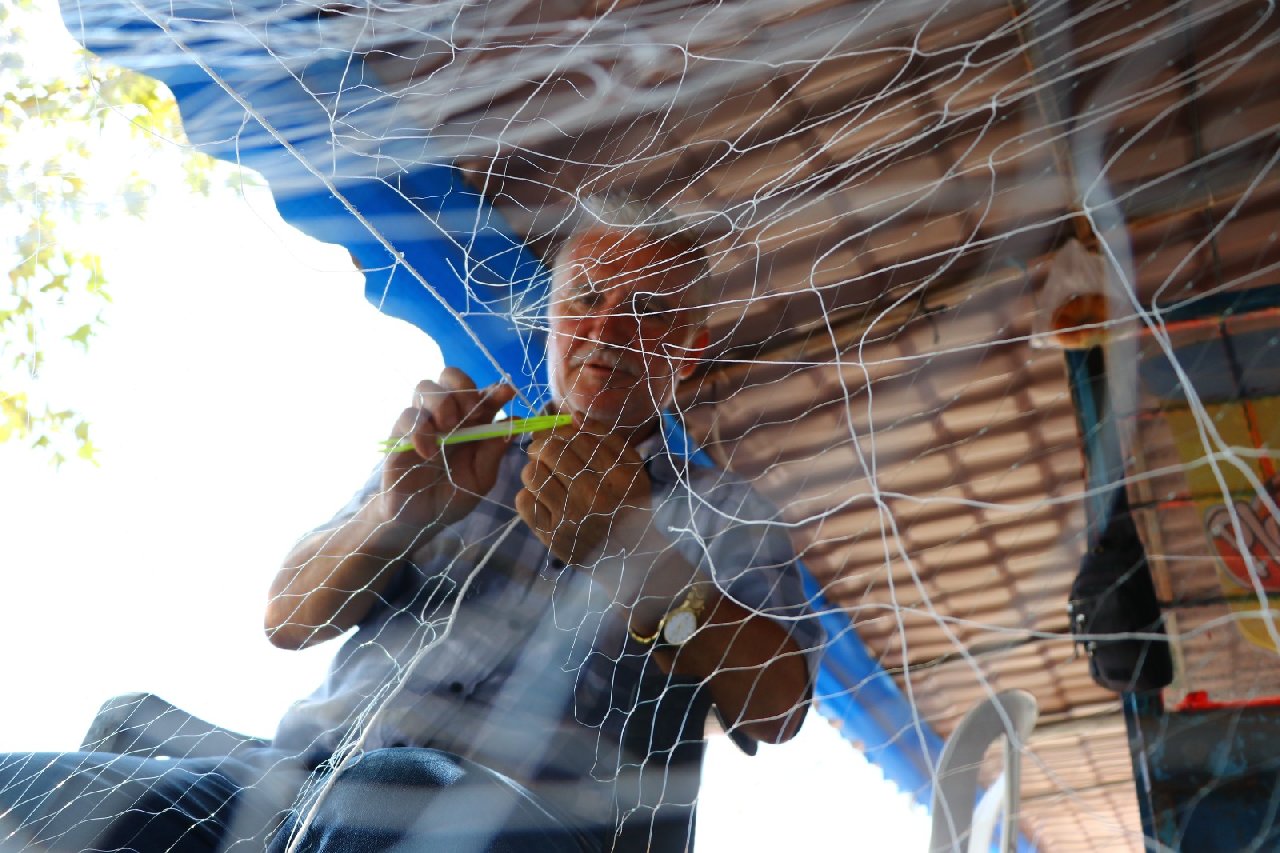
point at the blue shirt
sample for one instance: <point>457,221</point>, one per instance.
<point>488,647</point>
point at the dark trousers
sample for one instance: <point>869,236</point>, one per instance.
<point>401,800</point>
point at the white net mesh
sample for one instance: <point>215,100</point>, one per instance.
<point>944,293</point>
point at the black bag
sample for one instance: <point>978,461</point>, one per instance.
<point>1113,595</point>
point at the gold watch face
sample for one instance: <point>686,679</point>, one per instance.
<point>679,627</point>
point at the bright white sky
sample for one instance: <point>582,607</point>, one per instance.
<point>238,396</point>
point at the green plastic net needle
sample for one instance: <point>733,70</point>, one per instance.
<point>479,432</point>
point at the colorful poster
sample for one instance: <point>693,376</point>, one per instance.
<point>1248,553</point>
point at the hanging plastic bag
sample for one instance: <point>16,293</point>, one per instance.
<point>1071,309</point>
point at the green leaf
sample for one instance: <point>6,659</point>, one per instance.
<point>59,283</point>
<point>81,335</point>
<point>54,283</point>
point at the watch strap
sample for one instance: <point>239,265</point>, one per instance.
<point>694,601</point>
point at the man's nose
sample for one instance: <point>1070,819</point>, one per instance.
<point>615,325</point>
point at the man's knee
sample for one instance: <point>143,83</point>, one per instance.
<point>413,767</point>
<point>414,797</point>
<point>78,800</point>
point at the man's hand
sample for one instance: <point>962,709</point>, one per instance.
<point>585,492</point>
<point>331,579</point>
<point>438,485</point>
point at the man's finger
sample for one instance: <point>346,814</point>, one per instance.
<point>426,392</point>
<point>535,515</point>
<point>524,506</point>
<point>406,423</point>
<point>488,456</point>
<point>613,440</point>
<point>413,425</point>
<point>594,434</point>
<point>598,455</point>
<point>455,401</point>
<point>456,379</point>
<point>536,475</point>
<point>548,520</point>
<point>426,437</point>
<point>444,403</point>
<point>562,450</point>
<point>492,399</point>
<point>471,407</point>
<point>545,485</point>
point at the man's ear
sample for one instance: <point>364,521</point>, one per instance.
<point>697,347</point>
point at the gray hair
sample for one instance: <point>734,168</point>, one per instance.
<point>657,222</point>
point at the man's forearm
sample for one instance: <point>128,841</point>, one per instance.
<point>757,675</point>
<point>332,578</point>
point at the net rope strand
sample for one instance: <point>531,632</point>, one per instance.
<point>877,206</point>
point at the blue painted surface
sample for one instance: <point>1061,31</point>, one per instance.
<point>427,221</point>
<point>1226,304</point>
<point>865,702</point>
<point>433,252</point>
<point>1208,780</point>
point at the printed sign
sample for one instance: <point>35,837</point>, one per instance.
<point>1254,532</point>
<point>1253,536</point>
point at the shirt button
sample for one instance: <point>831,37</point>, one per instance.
<point>456,687</point>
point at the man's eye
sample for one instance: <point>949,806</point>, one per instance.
<point>584,298</point>
<point>646,305</point>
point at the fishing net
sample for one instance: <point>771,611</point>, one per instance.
<point>990,310</point>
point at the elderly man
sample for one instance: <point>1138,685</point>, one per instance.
<point>629,592</point>
<point>541,625</point>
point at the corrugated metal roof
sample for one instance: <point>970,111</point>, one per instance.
<point>888,206</point>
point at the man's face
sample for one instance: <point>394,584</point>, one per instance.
<point>622,334</point>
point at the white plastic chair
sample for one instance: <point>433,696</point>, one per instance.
<point>959,827</point>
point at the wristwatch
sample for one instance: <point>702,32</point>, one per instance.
<point>678,626</point>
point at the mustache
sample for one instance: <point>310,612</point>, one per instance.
<point>619,360</point>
